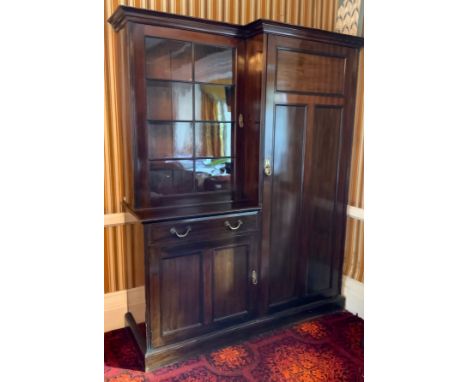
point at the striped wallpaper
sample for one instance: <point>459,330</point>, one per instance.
<point>354,247</point>
<point>123,252</point>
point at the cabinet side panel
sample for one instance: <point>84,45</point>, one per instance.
<point>126,109</point>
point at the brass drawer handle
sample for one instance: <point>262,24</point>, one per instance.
<point>180,235</point>
<point>239,223</point>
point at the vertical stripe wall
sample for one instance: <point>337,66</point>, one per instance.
<point>354,248</point>
<point>123,252</point>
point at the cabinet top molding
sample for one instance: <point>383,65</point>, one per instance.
<point>124,14</point>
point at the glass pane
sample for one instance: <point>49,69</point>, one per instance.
<point>213,174</point>
<point>169,100</point>
<point>213,139</point>
<point>168,59</point>
<point>170,140</point>
<point>171,177</point>
<point>213,64</point>
<point>213,102</point>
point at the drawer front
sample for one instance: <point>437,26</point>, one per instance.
<point>203,228</point>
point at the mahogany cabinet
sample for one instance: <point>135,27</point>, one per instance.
<point>237,146</point>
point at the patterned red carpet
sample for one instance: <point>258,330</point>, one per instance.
<point>327,349</point>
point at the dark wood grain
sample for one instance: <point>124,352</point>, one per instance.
<point>309,73</point>
<point>181,287</point>
<point>287,163</point>
<point>138,109</point>
<point>200,283</point>
<point>123,50</point>
<point>153,296</point>
<point>320,186</point>
<point>248,145</point>
<point>310,262</point>
<point>230,281</point>
<point>203,227</point>
<point>140,340</point>
<point>204,104</point>
<point>207,287</point>
<point>124,15</point>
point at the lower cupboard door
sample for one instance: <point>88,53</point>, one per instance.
<point>234,277</point>
<point>193,291</point>
<point>175,294</point>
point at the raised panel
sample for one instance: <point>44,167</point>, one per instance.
<point>181,288</point>
<point>230,281</point>
<point>309,73</point>
<point>289,135</point>
<point>321,187</point>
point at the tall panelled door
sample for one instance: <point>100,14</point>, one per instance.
<point>310,89</point>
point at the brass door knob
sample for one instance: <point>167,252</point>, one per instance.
<point>267,167</point>
<point>254,278</point>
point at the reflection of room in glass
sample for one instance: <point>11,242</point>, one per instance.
<point>213,174</point>
<point>170,140</point>
<point>213,139</point>
<point>169,101</point>
<point>171,177</point>
<point>168,59</point>
<point>213,102</point>
<point>214,64</point>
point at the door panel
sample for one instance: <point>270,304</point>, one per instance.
<point>181,286</point>
<point>309,109</point>
<point>230,281</point>
<point>286,201</point>
<point>310,73</point>
<point>321,188</point>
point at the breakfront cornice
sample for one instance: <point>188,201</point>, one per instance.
<point>124,15</point>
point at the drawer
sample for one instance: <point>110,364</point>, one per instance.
<point>203,228</point>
